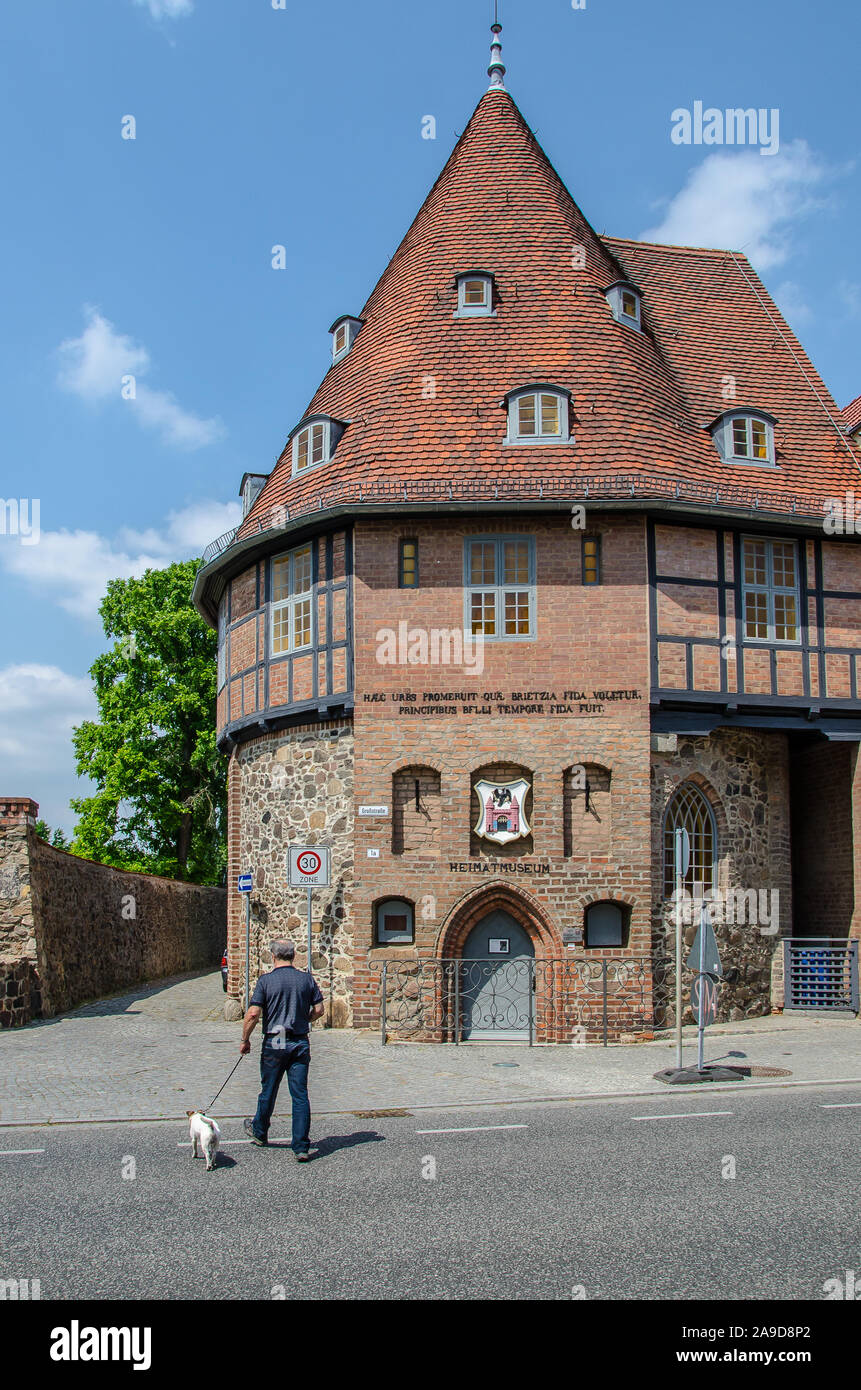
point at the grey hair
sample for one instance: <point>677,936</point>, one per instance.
<point>282,950</point>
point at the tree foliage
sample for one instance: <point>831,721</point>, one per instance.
<point>160,803</point>
<point>57,837</point>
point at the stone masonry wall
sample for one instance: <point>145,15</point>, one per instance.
<point>745,777</point>
<point>294,788</point>
<point>73,930</point>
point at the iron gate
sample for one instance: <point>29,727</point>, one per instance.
<point>821,973</point>
<point>570,1000</point>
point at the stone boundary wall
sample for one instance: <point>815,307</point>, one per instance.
<point>72,930</point>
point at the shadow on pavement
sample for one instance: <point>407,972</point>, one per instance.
<point>324,1147</point>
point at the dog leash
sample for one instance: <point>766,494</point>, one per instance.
<point>218,1093</point>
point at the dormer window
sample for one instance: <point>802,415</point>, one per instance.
<point>745,437</point>
<point>343,333</point>
<point>250,489</point>
<point>314,442</point>
<point>538,415</point>
<point>624,301</point>
<point>475,295</point>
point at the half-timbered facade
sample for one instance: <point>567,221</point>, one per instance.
<point>558,558</point>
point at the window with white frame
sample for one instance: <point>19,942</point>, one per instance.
<point>292,593</point>
<point>311,446</point>
<point>474,295</point>
<point>744,437</point>
<point>343,333</point>
<point>500,587</point>
<point>538,417</point>
<point>770,590</point>
<point>624,301</point>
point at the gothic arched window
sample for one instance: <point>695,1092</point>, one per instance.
<point>689,810</point>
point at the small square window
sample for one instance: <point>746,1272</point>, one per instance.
<point>474,296</point>
<point>629,305</point>
<point>408,565</point>
<point>394,922</point>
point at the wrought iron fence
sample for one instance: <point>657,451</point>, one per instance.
<point>821,973</point>
<point>567,1000</point>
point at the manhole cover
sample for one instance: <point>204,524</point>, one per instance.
<point>770,1071</point>
<point>378,1114</point>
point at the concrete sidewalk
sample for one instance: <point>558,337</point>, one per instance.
<point>166,1048</point>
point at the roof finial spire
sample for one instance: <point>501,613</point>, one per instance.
<point>496,71</point>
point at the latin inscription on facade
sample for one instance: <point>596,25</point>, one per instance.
<point>435,702</point>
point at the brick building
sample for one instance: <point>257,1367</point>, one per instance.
<point>550,565</point>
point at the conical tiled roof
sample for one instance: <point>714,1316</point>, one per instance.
<point>421,391</point>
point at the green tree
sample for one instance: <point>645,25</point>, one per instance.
<point>160,803</point>
<point>55,837</point>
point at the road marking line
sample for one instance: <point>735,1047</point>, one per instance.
<point>843,1105</point>
<point>5,1152</point>
<point>469,1129</point>
<point>687,1115</point>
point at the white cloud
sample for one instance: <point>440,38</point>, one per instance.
<point>72,568</point>
<point>167,9</point>
<point>745,202</point>
<point>39,707</point>
<point>94,365</point>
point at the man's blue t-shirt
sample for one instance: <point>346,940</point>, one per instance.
<point>286,996</point>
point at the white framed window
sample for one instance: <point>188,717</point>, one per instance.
<point>250,489</point>
<point>474,296</point>
<point>314,442</point>
<point>343,333</point>
<point>624,301</point>
<point>500,588</point>
<point>745,437</point>
<point>292,595</point>
<point>770,590</point>
<point>749,438</point>
<point>538,416</point>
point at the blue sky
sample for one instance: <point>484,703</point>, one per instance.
<point>301,126</point>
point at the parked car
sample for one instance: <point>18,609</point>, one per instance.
<point>224,972</point>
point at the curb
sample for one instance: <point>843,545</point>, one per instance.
<point>583,1098</point>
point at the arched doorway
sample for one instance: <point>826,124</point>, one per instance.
<point>497,978</point>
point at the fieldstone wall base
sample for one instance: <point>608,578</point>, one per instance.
<point>72,930</point>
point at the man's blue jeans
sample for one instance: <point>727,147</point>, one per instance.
<point>294,1057</point>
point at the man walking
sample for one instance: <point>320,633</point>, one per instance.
<point>288,1000</point>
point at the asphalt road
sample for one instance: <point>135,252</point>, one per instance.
<point>619,1199</point>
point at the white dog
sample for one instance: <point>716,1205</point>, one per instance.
<point>205,1132</point>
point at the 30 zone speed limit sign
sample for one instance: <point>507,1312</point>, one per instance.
<point>308,866</point>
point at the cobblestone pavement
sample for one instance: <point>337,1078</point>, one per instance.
<point>166,1048</point>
